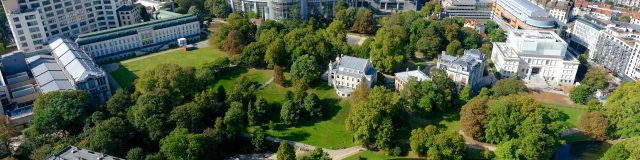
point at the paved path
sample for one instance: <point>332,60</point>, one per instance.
<point>264,84</point>
<point>471,143</point>
<point>301,147</point>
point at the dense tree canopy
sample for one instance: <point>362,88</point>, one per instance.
<point>623,110</point>
<point>371,121</point>
<point>286,151</point>
<point>149,115</point>
<point>304,71</point>
<point>627,149</point>
<point>168,80</point>
<point>387,49</point>
<point>59,111</point>
<point>508,86</point>
<point>594,125</point>
<point>363,21</point>
<point>112,137</point>
<point>181,144</point>
<point>433,144</point>
<point>473,117</point>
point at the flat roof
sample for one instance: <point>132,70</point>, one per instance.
<point>74,153</point>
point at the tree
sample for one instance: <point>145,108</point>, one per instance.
<point>448,145</point>
<point>627,149</point>
<point>596,78</point>
<point>304,71</point>
<point>371,122</point>
<point>259,139</point>
<point>217,8</point>
<point>278,75</point>
<point>234,119</point>
<point>411,94</point>
<point>625,19</point>
<point>312,105</point>
<point>473,117</point>
<point>6,133</point>
<point>622,110</point>
<point>143,12</point>
<point>168,80</point>
<point>242,91</point>
<point>253,54</point>
<point>363,21</point>
<point>180,144</point>
<point>257,112</point>
<point>581,94</point>
<point>360,94</point>
<point>59,111</point>
<point>149,116</point>
<point>508,86</point>
<point>421,138</point>
<point>135,154</point>
<point>112,137</point>
<point>347,16</point>
<point>486,48</point>
<point>205,74</point>
<point>466,93</point>
<point>191,116</point>
<point>387,49</point>
<point>234,43</point>
<point>594,125</point>
<point>455,48</point>
<point>286,151</point>
<point>118,103</point>
<point>194,10</point>
<point>289,113</point>
<point>275,54</point>
<point>430,43</point>
<point>497,35</point>
<point>317,154</point>
<point>439,93</point>
<point>472,39</point>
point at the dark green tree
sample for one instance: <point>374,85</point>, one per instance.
<point>118,104</point>
<point>289,113</point>
<point>580,94</point>
<point>59,111</point>
<point>622,110</point>
<point>508,86</point>
<point>259,140</point>
<point>191,116</point>
<point>304,71</point>
<point>286,151</point>
<point>234,119</point>
<point>217,8</point>
<point>112,137</point>
<point>371,121</point>
<point>136,154</point>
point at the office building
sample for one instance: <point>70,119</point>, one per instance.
<point>585,34</point>
<point>346,73</point>
<point>465,70</point>
<point>33,22</point>
<point>401,78</point>
<point>284,9</point>
<point>141,38</point>
<point>617,50</point>
<point>559,9</point>
<point>76,153</point>
<point>522,14</point>
<point>129,14</point>
<point>631,3</point>
<point>538,57</point>
<point>391,6</point>
<point>468,9</point>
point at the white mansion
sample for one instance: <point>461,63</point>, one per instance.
<point>347,72</point>
<point>536,56</point>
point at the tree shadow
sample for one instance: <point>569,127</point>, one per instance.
<point>295,136</point>
<point>125,77</point>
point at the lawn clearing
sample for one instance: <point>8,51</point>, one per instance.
<point>131,69</point>
<point>572,112</point>
<point>227,78</point>
<point>330,132</point>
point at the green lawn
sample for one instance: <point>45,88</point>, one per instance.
<point>573,112</point>
<point>329,132</point>
<point>130,70</point>
<point>227,78</point>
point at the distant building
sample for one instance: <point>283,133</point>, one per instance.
<point>347,72</point>
<point>33,22</point>
<point>402,78</point>
<point>522,14</point>
<point>76,153</point>
<point>559,9</point>
<point>618,50</point>
<point>536,56</point>
<point>631,3</point>
<point>141,38</point>
<point>284,9</point>
<point>129,14</point>
<point>465,70</point>
<point>468,9</point>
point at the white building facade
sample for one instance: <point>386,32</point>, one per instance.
<point>32,22</point>
<point>618,51</point>
<point>585,34</point>
<point>469,9</point>
<point>139,39</point>
<point>559,9</point>
<point>284,9</point>
<point>346,73</point>
<point>465,70</point>
<point>535,56</point>
<point>401,78</point>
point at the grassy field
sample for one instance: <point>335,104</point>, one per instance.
<point>370,155</point>
<point>130,70</point>
<point>329,132</point>
<point>572,112</point>
<point>227,79</point>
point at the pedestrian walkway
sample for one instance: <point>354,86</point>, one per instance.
<point>334,154</point>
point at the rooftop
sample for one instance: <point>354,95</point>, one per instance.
<point>528,12</point>
<point>168,19</point>
<point>420,76</point>
<point>75,153</point>
<point>76,62</point>
<point>126,8</point>
<point>354,63</point>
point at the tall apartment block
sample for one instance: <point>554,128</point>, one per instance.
<point>617,49</point>
<point>33,22</point>
<point>283,9</point>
